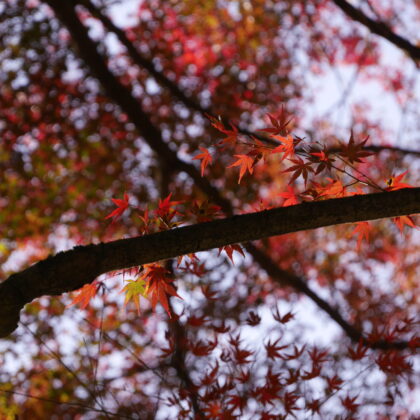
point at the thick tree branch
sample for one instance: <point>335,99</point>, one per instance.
<point>379,28</point>
<point>70,270</point>
<point>122,96</point>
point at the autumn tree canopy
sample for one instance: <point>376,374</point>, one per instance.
<point>208,209</point>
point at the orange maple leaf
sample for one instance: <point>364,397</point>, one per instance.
<point>290,197</point>
<point>158,286</point>
<point>335,188</point>
<point>121,207</point>
<point>288,146</point>
<point>362,229</point>
<point>232,135</point>
<point>246,163</point>
<point>205,157</point>
<point>322,158</point>
<point>400,221</point>
<point>85,294</point>
<point>395,184</point>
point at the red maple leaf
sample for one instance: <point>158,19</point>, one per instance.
<point>273,349</point>
<point>121,207</point>
<point>205,158</point>
<point>300,167</point>
<point>323,159</point>
<point>335,188</point>
<point>334,383</point>
<point>203,211</point>
<point>287,147</point>
<point>229,250</point>
<point>360,351</point>
<point>290,197</point>
<point>395,184</point>
<point>354,152</point>
<point>159,286</point>
<point>362,229</point>
<point>279,125</point>
<point>85,294</point>
<point>231,135</point>
<point>349,403</point>
<point>246,163</point>
<point>283,319</point>
<point>400,221</point>
<point>165,208</point>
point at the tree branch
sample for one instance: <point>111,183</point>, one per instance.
<point>70,270</point>
<point>379,28</point>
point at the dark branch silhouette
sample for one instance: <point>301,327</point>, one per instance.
<point>70,270</point>
<point>379,28</point>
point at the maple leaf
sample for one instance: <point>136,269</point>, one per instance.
<point>296,353</point>
<point>400,221</point>
<point>393,362</point>
<point>245,162</point>
<point>362,229</point>
<point>202,348</point>
<point>395,184</point>
<point>335,188</point>
<point>354,152</point>
<point>210,376</point>
<point>273,349</point>
<point>313,405</point>
<point>300,168</point>
<point>290,197</point>
<point>229,250</point>
<point>146,220</point>
<point>214,410</point>
<point>205,158</point>
<point>121,207</point>
<point>317,356</point>
<point>349,403</point>
<point>260,150</point>
<point>85,294</point>
<point>279,125</point>
<point>289,402</point>
<point>283,319</point>
<point>165,208</point>
<point>203,211</point>
<point>288,146</point>
<point>360,351</point>
<point>232,135</point>
<point>253,319</point>
<point>334,383</point>
<point>158,286</point>
<point>322,158</point>
<point>133,290</point>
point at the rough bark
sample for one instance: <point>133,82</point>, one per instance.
<point>72,269</point>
